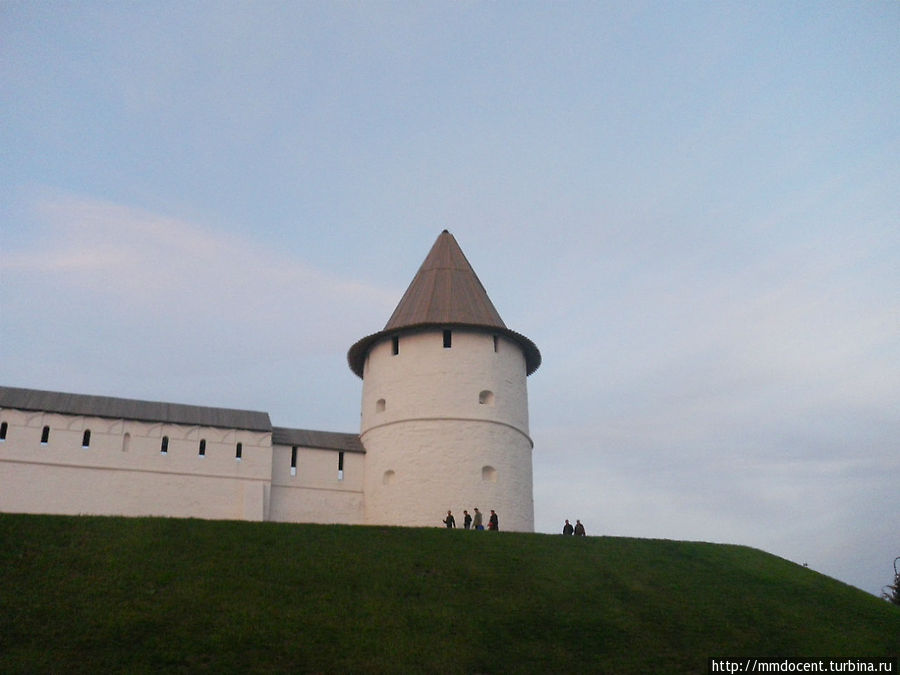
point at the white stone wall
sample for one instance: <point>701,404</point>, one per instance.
<point>447,429</point>
<point>123,471</point>
<point>316,492</point>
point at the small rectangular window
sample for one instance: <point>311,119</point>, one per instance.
<point>446,339</point>
<point>341,465</point>
<point>496,343</point>
<point>86,439</point>
<point>45,436</point>
<point>202,450</point>
<point>238,451</point>
<point>3,427</point>
<point>395,345</point>
<point>294,460</point>
<point>164,446</point>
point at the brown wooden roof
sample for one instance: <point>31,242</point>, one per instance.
<point>445,292</point>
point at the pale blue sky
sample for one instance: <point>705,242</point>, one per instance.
<point>691,208</point>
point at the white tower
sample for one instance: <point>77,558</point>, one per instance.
<point>445,403</point>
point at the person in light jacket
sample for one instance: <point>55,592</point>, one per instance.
<point>477,523</point>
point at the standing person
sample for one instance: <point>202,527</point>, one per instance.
<point>467,521</point>
<point>493,523</point>
<point>477,522</point>
<point>450,521</point>
<point>567,528</point>
<point>579,528</point>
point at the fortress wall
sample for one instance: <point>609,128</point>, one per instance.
<point>315,492</point>
<point>124,471</point>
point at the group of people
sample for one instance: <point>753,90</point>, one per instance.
<point>577,530</point>
<point>474,523</point>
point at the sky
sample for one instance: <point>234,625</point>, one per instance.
<point>692,208</point>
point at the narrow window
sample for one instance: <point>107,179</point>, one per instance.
<point>380,405</point>
<point>3,428</point>
<point>341,465</point>
<point>294,460</point>
<point>395,345</point>
<point>126,442</point>
<point>486,397</point>
<point>202,450</point>
<point>489,474</point>
<point>238,451</point>
<point>45,436</point>
<point>164,446</point>
<point>389,477</point>
<point>446,339</point>
<point>496,343</point>
<point>86,439</point>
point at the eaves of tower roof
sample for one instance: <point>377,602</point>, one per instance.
<point>445,292</point>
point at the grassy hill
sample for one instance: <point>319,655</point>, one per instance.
<point>145,595</point>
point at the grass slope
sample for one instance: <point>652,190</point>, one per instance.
<point>88,594</point>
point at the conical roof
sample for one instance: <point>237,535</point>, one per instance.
<point>445,292</point>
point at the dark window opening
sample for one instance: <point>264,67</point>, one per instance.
<point>238,450</point>
<point>202,451</point>
<point>341,465</point>
<point>86,439</point>
<point>395,345</point>
<point>45,436</point>
<point>164,445</point>
<point>446,339</point>
<point>496,343</point>
<point>3,427</point>
<point>294,460</point>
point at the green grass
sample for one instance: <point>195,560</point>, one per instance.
<point>141,595</point>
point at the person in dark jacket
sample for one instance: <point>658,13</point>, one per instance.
<point>450,521</point>
<point>567,528</point>
<point>579,529</point>
<point>493,522</point>
<point>467,521</point>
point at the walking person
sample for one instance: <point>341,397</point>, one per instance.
<point>567,528</point>
<point>467,521</point>
<point>477,523</point>
<point>493,523</point>
<point>579,529</point>
<point>450,521</point>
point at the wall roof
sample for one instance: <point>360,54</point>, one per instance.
<point>173,413</point>
<point>326,440</point>
<point>123,408</point>
<point>445,292</point>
